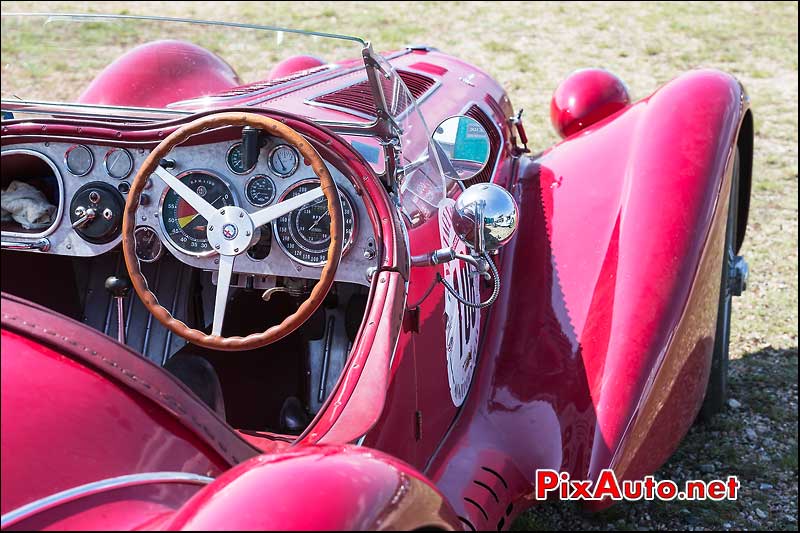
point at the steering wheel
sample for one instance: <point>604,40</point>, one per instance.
<point>231,231</point>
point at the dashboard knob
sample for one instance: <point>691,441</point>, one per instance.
<point>118,287</point>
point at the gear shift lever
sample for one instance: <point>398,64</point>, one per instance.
<point>119,289</point>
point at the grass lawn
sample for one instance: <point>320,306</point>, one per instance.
<point>529,48</point>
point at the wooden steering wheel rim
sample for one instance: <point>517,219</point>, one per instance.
<point>320,290</point>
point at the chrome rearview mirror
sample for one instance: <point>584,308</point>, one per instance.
<point>463,147</point>
<point>485,217</point>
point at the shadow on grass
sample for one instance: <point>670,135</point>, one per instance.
<point>755,440</point>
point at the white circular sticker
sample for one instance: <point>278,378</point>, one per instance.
<point>463,323</point>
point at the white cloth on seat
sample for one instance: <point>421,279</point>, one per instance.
<point>26,205</point>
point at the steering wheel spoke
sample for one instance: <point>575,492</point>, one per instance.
<point>268,214</point>
<point>223,285</point>
<point>205,209</point>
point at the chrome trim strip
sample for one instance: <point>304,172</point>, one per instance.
<point>89,489</point>
<point>55,108</point>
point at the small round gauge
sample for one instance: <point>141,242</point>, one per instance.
<point>235,161</point>
<point>260,190</point>
<point>118,163</point>
<point>284,160</point>
<point>79,159</point>
<point>304,233</point>
<point>148,244</point>
<point>183,225</point>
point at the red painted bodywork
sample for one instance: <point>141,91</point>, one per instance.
<point>585,97</point>
<point>595,355</point>
<point>160,72</point>
<point>293,64</point>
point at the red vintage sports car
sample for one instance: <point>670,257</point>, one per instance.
<point>339,291</point>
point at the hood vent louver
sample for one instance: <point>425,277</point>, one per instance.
<point>356,99</point>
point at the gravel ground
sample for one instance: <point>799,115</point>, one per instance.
<point>529,48</point>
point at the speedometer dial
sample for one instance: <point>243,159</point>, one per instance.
<point>184,226</point>
<point>304,233</point>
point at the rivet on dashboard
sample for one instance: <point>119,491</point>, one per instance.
<point>211,228</point>
<point>47,144</point>
<point>119,134</point>
<point>144,217</point>
<point>236,250</point>
<point>222,212</point>
<point>217,246</point>
<point>241,215</point>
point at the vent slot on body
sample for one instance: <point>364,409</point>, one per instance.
<point>357,100</point>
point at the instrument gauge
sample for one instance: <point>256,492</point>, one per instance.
<point>118,163</point>
<point>235,161</point>
<point>284,160</point>
<point>304,234</point>
<point>260,190</point>
<point>79,159</point>
<point>148,244</point>
<point>184,226</point>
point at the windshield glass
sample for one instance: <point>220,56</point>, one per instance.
<point>55,57</point>
<point>109,65</point>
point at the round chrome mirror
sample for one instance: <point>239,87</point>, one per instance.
<point>485,217</point>
<point>463,147</point>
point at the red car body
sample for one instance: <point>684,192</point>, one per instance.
<point>596,354</point>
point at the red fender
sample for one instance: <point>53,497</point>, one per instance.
<point>158,73</point>
<point>318,488</point>
<point>603,331</point>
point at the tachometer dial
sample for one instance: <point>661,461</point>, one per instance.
<point>260,190</point>
<point>304,233</point>
<point>184,226</point>
<point>235,161</point>
<point>283,160</point>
